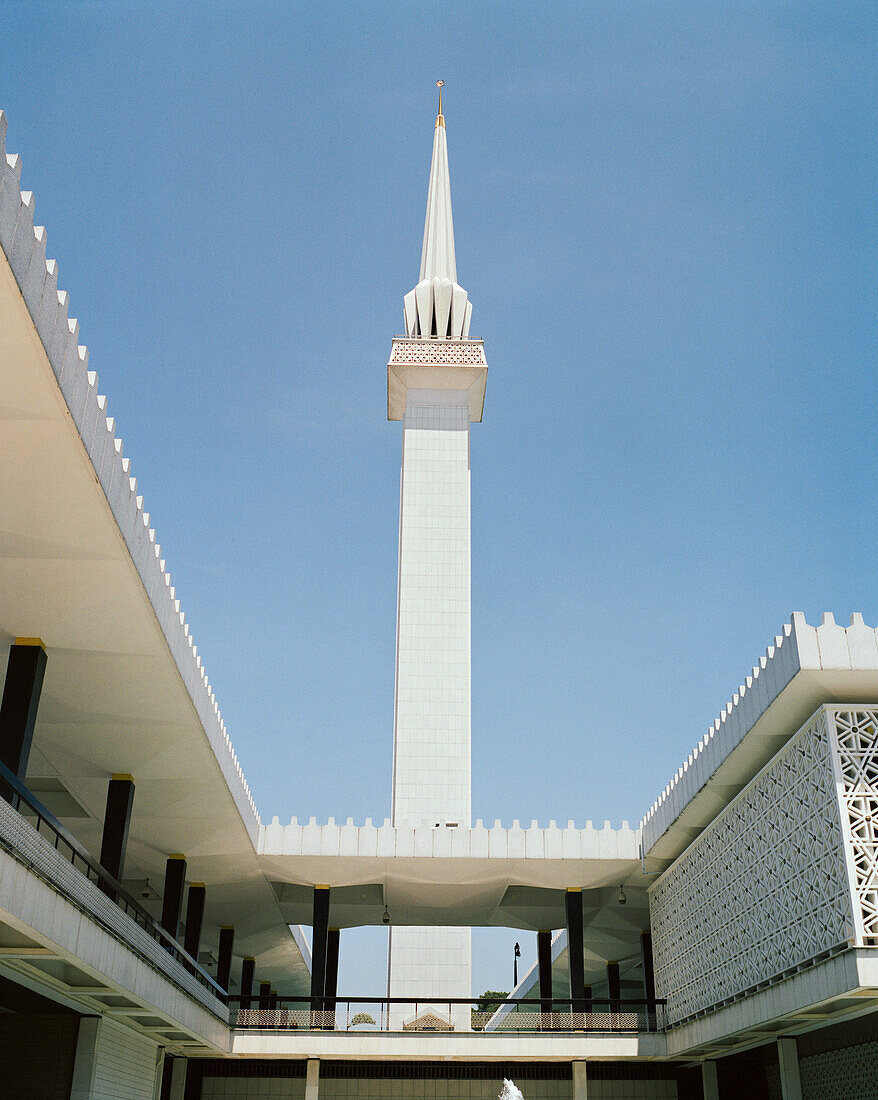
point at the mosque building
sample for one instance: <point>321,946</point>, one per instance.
<point>151,943</point>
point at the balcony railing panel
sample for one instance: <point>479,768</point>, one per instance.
<point>34,836</point>
<point>437,1016</point>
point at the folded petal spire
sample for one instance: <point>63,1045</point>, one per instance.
<point>438,306</point>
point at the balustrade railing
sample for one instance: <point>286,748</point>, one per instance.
<point>397,1014</point>
<point>50,829</point>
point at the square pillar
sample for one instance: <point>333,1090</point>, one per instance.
<point>248,967</point>
<point>178,1079</point>
<point>117,820</point>
<point>172,899</point>
<point>194,919</point>
<point>648,979</point>
<point>580,1081</point>
<point>575,953</point>
<point>544,969</point>
<point>319,947</point>
<point>331,986</point>
<point>18,709</point>
<point>709,1083</point>
<point>85,1059</point>
<point>312,1079</point>
<point>224,963</point>
<point>265,995</point>
<point>788,1060</point>
<point>614,987</point>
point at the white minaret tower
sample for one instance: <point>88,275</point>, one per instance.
<point>436,386</point>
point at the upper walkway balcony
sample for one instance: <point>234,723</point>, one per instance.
<point>70,926</point>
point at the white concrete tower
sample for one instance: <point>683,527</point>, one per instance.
<point>436,386</point>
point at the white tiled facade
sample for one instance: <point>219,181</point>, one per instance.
<point>431,760</point>
<point>431,757</point>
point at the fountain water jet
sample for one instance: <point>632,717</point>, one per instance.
<point>510,1091</point>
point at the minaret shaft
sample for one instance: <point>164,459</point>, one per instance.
<point>431,745</point>
<point>431,774</point>
<point>436,386</point>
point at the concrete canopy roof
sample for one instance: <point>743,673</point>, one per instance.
<point>444,875</point>
<point>124,690</point>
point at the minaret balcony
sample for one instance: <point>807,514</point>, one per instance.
<point>419,363</point>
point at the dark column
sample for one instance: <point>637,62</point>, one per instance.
<point>544,968</point>
<point>265,994</point>
<point>331,987</point>
<point>117,818</point>
<point>574,949</point>
<point>319,946</point>
<point>172,900</point>
<point>248,966</point>
<point>648,978</point>
<point>224,965</point>
<point>614,987</point>
<point>194,917</point>
<point>18,709</point>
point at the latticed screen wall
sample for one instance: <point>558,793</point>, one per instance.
<point>787,873</point>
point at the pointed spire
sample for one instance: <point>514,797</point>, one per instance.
<point>438,306</point>
<point>437,255</point>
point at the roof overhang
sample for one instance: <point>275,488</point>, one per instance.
<point>124,690</point>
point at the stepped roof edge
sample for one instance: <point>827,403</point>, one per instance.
<point>24,246</point>
<point>451,842</point>
<point>828,648</point>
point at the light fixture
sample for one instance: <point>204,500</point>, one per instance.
<point>622,898</point>
<point>385,918</point>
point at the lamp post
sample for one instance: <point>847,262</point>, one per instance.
<point>515,957</point>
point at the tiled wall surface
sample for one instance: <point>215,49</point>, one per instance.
<point>432,739</point>
<point>431,764</point>
<point>434,960</point>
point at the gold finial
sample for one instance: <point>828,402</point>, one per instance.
<point>440,121</point>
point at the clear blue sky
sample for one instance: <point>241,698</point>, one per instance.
<point>665,219</point>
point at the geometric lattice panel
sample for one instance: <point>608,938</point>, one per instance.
<point>847,1074</point>
<point>762,890</point>
<point>856,759</point>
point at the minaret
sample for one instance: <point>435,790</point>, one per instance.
<point>436,386</point>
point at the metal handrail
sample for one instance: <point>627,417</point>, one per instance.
<point>18,793</point>
<point>272,1012</point>
<point>306,999</point>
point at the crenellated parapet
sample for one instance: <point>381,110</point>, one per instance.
<point>488,842</point>
<point>828,656</point>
